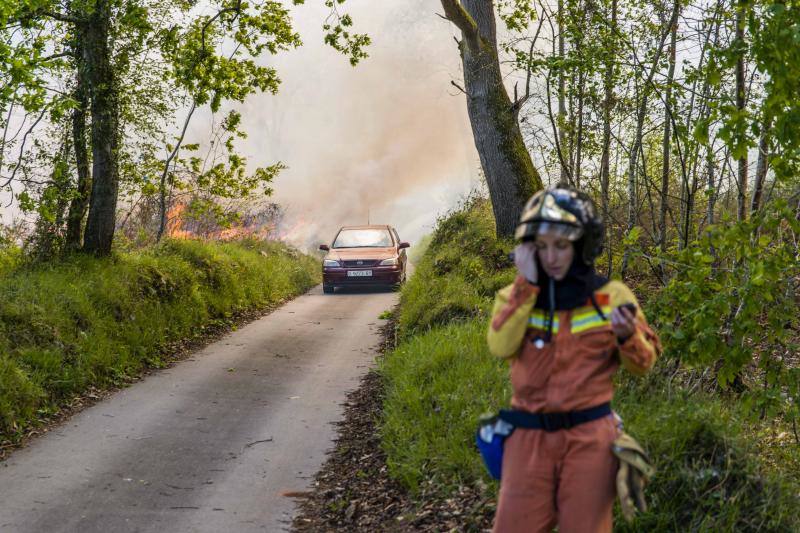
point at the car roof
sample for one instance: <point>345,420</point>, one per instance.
<point>367,226</point>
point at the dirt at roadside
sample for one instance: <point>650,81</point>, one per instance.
<point>353,490</point>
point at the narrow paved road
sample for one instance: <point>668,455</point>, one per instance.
<point>213,443</point>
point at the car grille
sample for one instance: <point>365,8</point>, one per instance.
<point>358,263</point>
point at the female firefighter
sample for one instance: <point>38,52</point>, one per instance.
<point>566,330</point>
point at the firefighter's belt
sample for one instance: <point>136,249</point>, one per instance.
<point>635,470</point>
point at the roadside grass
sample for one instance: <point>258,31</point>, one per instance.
<point>460,270</point>
<point>438,384</point>
<point>419,248</point>
<point>97,322</point>
<point>709,473</point>
<point>713,472</point>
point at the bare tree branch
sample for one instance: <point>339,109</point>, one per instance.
<point>518,103</point>
<point>457,86</point>
<point>163,200</point>
<point>57,56</point>
<point>22,149</point>
<point>61,17</point>
<point>235,9</point>
<point>555,130</point>
<point>455,13</point>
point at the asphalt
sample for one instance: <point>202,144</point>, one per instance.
<point>220,442</point>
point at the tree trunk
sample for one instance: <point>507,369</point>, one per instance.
<point>510,174</point>
<point>562,106</point>
<point>80,202</point>
<point>762,166</point>
<point>637,139</point>
<point>101,222</point>
<point>710,166</point>
<point>579,140</point>
<point>633,198</point>
<point>666,147</point>
<point>571,129</point>
<point>740,104</point>
<point>608,104</point>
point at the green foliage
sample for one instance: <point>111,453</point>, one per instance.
<point>210,76</point>
<point>463,257</point>
<point>10,257</point>
<point>516,14</point>
<point>165,56</point>
<point>226,177</point>
<point>731,306</point>
<point>338,34</point>
<point>775,48</point>
<point>97,322</point>
<point>772,46</point>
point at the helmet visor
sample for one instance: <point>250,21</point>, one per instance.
<point>544,207</point>
<point>530,230</point>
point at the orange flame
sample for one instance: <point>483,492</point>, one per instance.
<point>177,228</point>
<point>175,222</point>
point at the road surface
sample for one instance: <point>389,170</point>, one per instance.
<point>212,444</point>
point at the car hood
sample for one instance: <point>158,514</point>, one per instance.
<point>345,254</point>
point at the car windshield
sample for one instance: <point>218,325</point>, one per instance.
<point>363,238</point>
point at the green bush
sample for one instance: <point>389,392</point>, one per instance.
<point>462,267</point>
<point>10,257</point>
<point>731,306</point>
<point>96,322</point>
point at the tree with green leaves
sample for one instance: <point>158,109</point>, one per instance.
<point>103,56</point>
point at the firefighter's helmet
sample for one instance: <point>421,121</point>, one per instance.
<point>566,212</point>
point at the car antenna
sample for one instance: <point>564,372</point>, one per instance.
<point>367,216</point>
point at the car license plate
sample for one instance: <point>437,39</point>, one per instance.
<point>359,273</point>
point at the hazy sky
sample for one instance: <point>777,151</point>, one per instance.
<point>390,136</point>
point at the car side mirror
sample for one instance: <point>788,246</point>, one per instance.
<point>324,247</point>
<point>403,245</point>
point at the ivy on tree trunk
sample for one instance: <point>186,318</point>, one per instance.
<point>80,200</point>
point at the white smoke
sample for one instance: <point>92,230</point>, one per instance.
<point>388,141</point>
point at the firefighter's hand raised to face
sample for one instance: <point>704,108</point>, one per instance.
<point>525,260</point>
<point>623,322</point>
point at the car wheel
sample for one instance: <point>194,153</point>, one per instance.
<point>327,289</point>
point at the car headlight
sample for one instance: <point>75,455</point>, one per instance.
<point>389,262</point>
<point>331,263</point>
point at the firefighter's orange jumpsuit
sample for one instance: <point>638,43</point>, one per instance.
<point>564,477</point>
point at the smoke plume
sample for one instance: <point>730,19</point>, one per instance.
<point>387,141</point>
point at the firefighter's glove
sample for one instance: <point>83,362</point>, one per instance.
<point>525,260</point>
<point>635,470</point>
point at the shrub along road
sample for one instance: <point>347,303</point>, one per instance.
<point>219,442</point>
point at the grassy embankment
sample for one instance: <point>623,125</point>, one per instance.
<point>87,322</point>
<point>712,475</point>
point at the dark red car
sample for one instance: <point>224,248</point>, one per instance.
<point>364,255</point>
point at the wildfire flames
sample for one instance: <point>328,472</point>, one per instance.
<point>266,224</point>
